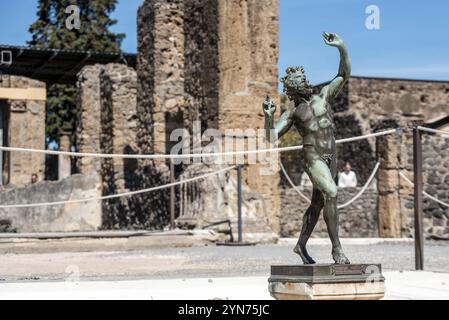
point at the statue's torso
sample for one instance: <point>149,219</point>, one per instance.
<point>314,121</point>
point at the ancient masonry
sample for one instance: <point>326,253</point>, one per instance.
<point>118,123</point>
<point>108,123</point>
<point>23,125</point>
<point>209,61</point>
<point>88,129</point>
<point>199,60</point>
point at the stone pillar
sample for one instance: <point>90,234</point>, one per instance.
<point>64,162</point>
<point>248,54</point>
<point>160,70</point>
<point>88,118</point>
<point>212,61</point>
<point>25,120</point>
<point>118,92</point>
<point>388,184</point>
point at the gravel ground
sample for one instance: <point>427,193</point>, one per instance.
<point>209,261</point>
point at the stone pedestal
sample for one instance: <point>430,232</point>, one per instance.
<point>327,282</point>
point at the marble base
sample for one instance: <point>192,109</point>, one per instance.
<point>327,282</point>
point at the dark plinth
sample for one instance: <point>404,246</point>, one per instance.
<point>327,273</point>
<point>327,282</point>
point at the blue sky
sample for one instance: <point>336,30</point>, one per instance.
<point>412,41</point>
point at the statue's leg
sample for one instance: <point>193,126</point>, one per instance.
<point>332,220</point>
<point>309,222</point>
<point>323,179</point>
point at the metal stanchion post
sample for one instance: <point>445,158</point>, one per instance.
<point>239,202</point>
<point>172,196</point>
<point>417,167</point>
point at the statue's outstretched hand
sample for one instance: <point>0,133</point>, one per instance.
<point>269,107</point>
<point>332,39</point>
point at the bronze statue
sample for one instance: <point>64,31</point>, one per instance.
<point>312,117</point>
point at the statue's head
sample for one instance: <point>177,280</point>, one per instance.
<point>296,84</point>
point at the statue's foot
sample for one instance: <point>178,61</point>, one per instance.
<point>302,252</point>
<point>339,256</point>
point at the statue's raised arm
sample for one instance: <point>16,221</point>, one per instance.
<point>344,71</point>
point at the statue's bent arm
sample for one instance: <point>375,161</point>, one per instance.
<point>284,124</point>
<point>344,71</point>
<point>274,131</point>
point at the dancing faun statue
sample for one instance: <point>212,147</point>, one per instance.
<point>312,117</point>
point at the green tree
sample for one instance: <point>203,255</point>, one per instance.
<point>50,31</point>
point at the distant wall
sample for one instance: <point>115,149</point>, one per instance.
<point>70,217</point>
<point>436,183</point>
<point>356,220</point>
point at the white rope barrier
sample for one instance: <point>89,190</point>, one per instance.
<point>159,156</point>
<point>293,185</point>
<point>434,130</point>
<point>182,156</point>
<point>425,193</point>
<point>377,134</point>
<point>355,198</point>
<point>121,195</point>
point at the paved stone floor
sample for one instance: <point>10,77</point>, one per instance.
<point>407,285</point>
<point>209,261</point>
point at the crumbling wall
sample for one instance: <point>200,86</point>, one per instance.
<point>85,216</point>
<point>435,183</point>
<point>118,92</point>
<point>88,127</point>
<point>356,220</point>
<point>208,61</point>
<point>160,69</point>
<point>120,126</point>
<point>248,53</point>
<point>212,203</point>
<point>201,60</point>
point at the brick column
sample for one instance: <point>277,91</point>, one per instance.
<point>388,184</point>
<point>88,118</point>
<point>118,92</point>
<point>248,53</point>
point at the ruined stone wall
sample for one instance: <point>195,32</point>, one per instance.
<point>208,61</point>
<point>88,127</point>
<point>160,69</point>
<point>109,122</point>
<point>436,183</point>
<point>201,60</point>
<point>25,128</point>
<point>118,93</point>
<point>62,218</point>
<point>356,220</point>
<point>384,103</point>
<point>375,98</point>
<point>248,53</point>
<point>376,104</point>
<point>217,210</point>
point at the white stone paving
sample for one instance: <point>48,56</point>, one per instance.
<point>400,285</point>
